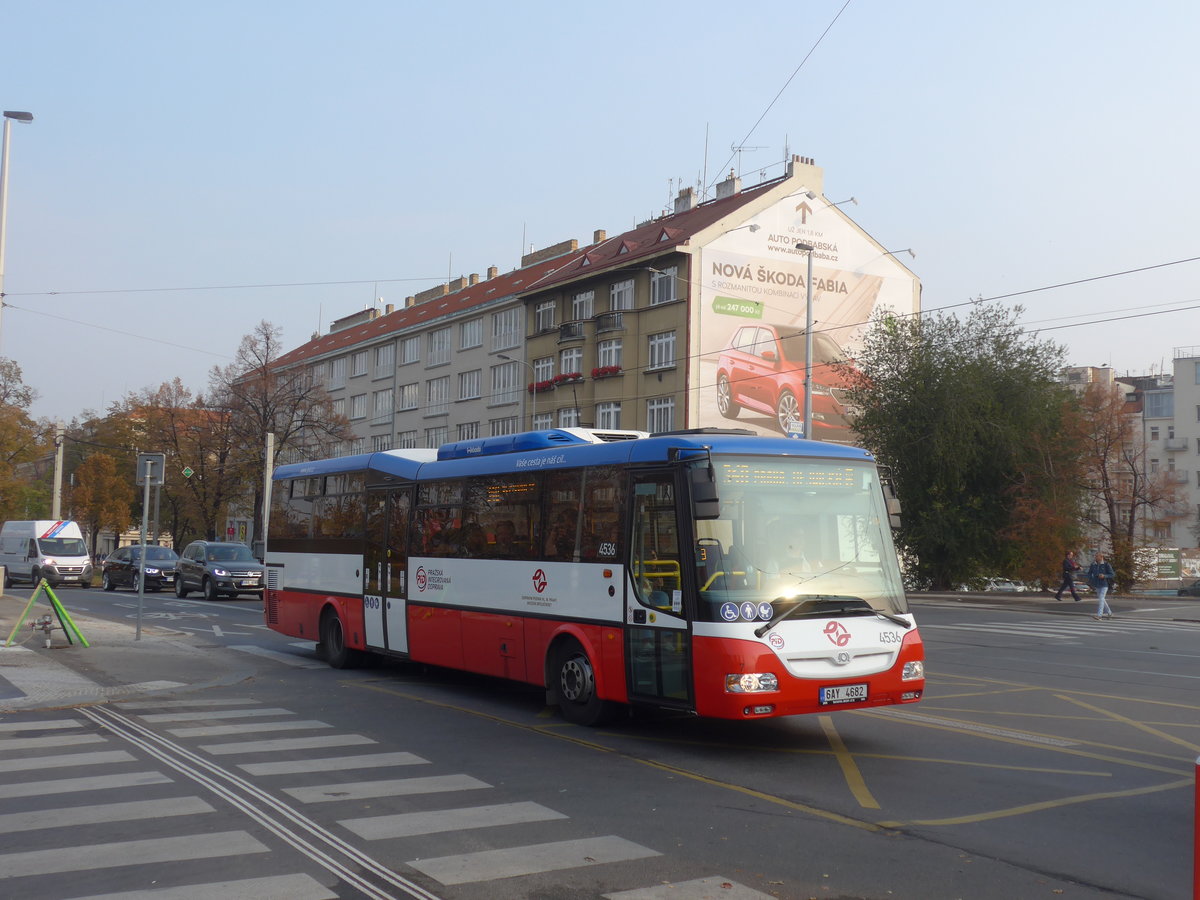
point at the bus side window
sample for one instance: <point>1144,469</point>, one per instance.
<point>655,560</point>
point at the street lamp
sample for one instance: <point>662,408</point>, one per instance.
<point>9,115</point>
<point>533,375</point>
<point>808,323</point>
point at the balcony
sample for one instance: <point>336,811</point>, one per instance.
<point>610,321</point>
<point>571,331</point>
<point>1175,444</point>
<point>1177,476</point>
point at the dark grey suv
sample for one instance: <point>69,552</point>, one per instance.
<point>218,569</point>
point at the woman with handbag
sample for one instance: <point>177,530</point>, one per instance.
<point>1101,577</point>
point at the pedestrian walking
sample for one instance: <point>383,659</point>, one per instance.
<point>1101,577</point>
<point>1069,568</point>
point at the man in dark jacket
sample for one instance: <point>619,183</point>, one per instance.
<point>1069,568</point>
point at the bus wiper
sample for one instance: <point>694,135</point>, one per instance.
<point>821,603</point>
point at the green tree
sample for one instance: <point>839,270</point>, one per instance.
<point>964,415</point>
<point>102,496</point>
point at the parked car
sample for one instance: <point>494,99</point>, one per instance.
<point>217,569</point>
<point>1004,585</point>
<point>762,369</point>
<point>121,567</point>
<point>1190,590</point>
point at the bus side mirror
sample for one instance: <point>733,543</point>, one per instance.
<point>705,502</point>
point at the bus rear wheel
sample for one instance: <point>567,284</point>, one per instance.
<point>575,687</point>
<point>333,643</point>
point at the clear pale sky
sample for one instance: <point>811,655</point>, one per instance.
<point>369,149</point>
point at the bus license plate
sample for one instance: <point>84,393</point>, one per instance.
<point>844,693</point>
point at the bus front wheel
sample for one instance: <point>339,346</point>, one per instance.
<point>333,643</point>
<point>575,686</point>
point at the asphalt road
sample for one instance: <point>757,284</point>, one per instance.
<point>1053,756</point>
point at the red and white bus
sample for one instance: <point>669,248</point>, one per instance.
<point>710,571</point>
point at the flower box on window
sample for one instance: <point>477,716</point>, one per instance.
<point>605,371</point>
<point>540,387</point>
<point>567,377</point>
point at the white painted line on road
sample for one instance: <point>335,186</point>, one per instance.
<point>217,631</point>
<point>333,764</point>
<point>7,745</point>
<point>102,813</point>
<point>180,704</point>
<point>531,860</point>
<point>285,658</point>
<point>397,787</point>
<point>251,728</point>
<point>65,761</point>
<point>698,889</point>
<point>439,821</point>
<point>286,744</point>
<point>51,725</point>
<point>129,853</point>
<point>222,714</point>
<point>89,783</point>
<point>276,887</point>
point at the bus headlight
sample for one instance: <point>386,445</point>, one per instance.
<point>913,671</point>
<point>751,683</point>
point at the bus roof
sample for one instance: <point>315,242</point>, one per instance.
<point>559,448</point>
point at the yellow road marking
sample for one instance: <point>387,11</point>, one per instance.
<point>850,770</point>
<point>1141,726</point>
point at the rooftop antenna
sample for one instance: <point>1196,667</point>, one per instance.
<point>704,176</point>
<point>739,149</point>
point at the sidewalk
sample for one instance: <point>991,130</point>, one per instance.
<point>113,667</point>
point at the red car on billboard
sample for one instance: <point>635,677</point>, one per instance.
<point>762,370</point>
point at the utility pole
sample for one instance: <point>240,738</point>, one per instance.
<point>56,505</point>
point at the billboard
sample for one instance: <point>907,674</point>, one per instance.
<point>748,345</point>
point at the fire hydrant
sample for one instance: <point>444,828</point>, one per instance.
<point>46,623</point>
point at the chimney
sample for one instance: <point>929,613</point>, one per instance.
<point>410,302</point>
<point>389,309</point>
<point>806,168</point>
<point>474,280</point>
<point>550,252</point>
<point>686,200</point>
<point>432,294</point>
<point>456,285</point>
<point>730,186</point>
<point>599,235</point>
<point>492,272</point>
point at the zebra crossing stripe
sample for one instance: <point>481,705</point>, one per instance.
<point>252,728</point>
<point>55,724</point>
<point>437,821</point>
<point>399,787</point>
<point>102,813</point>
<point>181,704</point>
<point>277,887</point>
<point>7,745</point>
<point>218,715</point>
<point>333,764</point>
<point>532,859</point>
<point>129,853</point>
<point>698,889</point>
<point>65,760</point>
<point>88,783</point>
<point>288,659</point>
<point>286,744</point>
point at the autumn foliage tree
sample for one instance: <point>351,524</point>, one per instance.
<point>102,496</point>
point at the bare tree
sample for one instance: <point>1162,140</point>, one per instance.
<point>1121,490</point>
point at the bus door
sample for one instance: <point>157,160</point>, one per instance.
<point>385,568</point>
<point>657,639</point>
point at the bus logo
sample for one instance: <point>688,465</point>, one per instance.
<point>539,581</point>
<point>837,633</point>
<point>422,580</point>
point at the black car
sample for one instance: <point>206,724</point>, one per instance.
<point>216,569</point>
<point>121,567</point>
<point>1190,590</point>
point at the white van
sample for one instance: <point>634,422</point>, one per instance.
<point>31,551</point>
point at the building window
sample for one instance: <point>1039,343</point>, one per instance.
<point>468,431</point>
<point>468,384</point>
<point>385,360</point>
<point>382,405</point>
<point>581,305</point>
<point>543,315</point>
<point>570,361</point>
<point>439,348</point>
<point>506,328</point>
<point>409,396</point>
<point>1197,372</point>
<point>543,421</point>
<point>358,445</point>
<point>660,414</point>
<point>608,353</point>
<point>437,396</point>
<point>358,406</point>
<point>543,369</point>
<point>505,425</point>
<point>380,442</point>
<point>337,372</point>
<point>1154,432</point>
<point>436,436</point>
<point>406,440</point>
<point>620,296</point>
<point>470,334</point>
<point>505,385</point>
<point>568,418</point>
<point>410,350</point>
<point>662,350</point>
<point>608,415</point>
<point>358,363</point>
<point>662,286</point>
<point>1153,466</point>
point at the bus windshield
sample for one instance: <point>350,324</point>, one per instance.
<point>794,530</point>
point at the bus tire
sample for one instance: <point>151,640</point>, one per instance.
<point>575,687</point>
<point>333,643</point>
